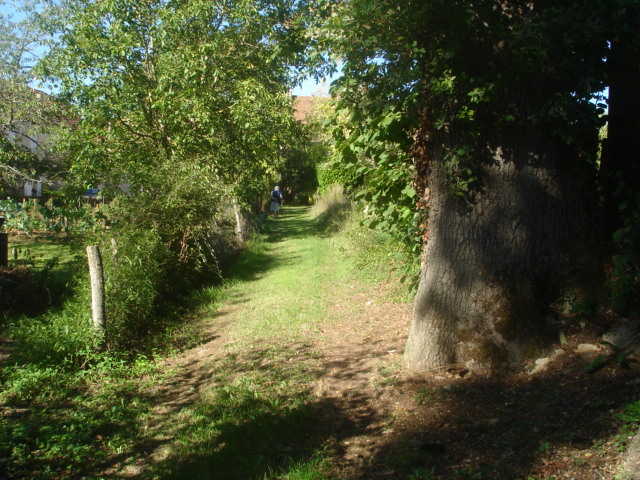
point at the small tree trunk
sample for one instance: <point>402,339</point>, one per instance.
<point>491,265</point>
<point>97,288</point>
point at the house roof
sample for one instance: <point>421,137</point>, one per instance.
<point>304,105</point>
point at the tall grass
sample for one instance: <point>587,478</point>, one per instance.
<point>375,255</point>
<point>331,208</point>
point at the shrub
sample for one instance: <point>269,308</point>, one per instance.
<point>380,257</point>
<point>135,264</point>
<point>31,216</point>
<point>332,173</point>
<point>59,339</point>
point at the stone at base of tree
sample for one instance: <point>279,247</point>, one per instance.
<point>587,348</point>
<point>543,363</point>
<point>630,468</point>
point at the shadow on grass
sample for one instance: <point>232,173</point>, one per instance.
<point>254,262</point>
<point>64,435</point>
<point>266,443</point>
<point>332,219</point>
<point>293,222</point>
<point>246,265</point>
<point>257,420</point>
<point>41,276</point>
<point>500,429</point>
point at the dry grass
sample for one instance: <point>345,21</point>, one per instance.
<point>331,208</point>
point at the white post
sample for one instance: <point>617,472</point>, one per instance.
<point>97,288</point>
<point>241,223</point>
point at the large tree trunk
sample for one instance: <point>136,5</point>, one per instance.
<point>492,262</point>
<point>620,168</point>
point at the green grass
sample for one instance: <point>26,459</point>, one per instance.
<point>630,423</point>
<point>42,277</point>
<point>259,419</point>
<point>303,271</point>
<point>42,250</point>
<point>73,411</point>
<point>254,423</point>
<point>376,258</point>
<point>246,413</point>
<point>61,423</point>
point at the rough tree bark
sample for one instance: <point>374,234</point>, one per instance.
<point>620,169</point>
<point>491,263</point>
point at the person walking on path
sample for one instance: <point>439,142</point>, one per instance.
<point>276,200</point>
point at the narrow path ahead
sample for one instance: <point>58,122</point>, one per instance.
<point>298,377</point>
<point>297,359</point>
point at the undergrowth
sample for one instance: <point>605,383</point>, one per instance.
<point>62,423</point>
<point>380,258</point>
<point>270,406</point>
<point>377,257</point>
<point>331,208</point>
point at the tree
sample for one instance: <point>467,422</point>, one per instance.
<point>183,114</point>
<point>620,172</point>
<point>503,143</point>
<point>176,100</point>
<point>29,119</point>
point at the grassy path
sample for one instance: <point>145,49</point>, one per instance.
<point>287,284</point>
<point>295,374</point>
<point>300,378</point>
<point>282,377</point>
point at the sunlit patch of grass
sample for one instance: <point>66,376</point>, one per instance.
<point>313,469</point>
<point>41,275</point>
<point>293,298</point>
<point>37,251</point>
<point>630,418</point>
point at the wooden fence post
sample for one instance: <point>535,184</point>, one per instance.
<point>4,244</point>
<point>96,274</point>
<point>4,249</point>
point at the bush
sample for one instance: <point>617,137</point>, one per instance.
<point>59,339</point>
<point>332,173</point>
<point>135,265</point>
<point>380,257</point>
<point>31,216</point>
